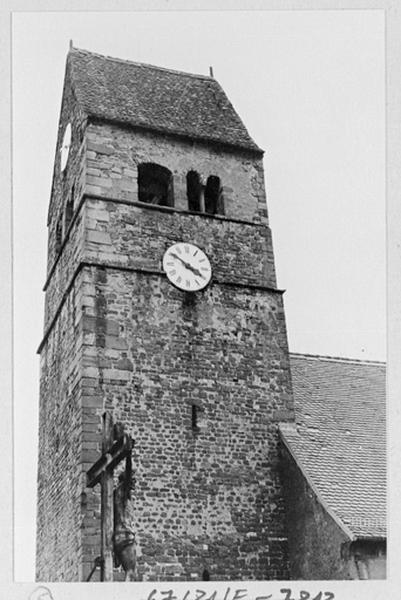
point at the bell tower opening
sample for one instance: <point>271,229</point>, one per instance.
<point>155,184</point>
<point>194,191</point>
<point>213,196</point>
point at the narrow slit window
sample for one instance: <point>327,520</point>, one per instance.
<point>69,210</point>
<point>194,191</point>
<point>213,196</point>
<point>59,235</point>
<point>155,185</point>
<point>194,415</point>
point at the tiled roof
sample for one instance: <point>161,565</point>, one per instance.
<point>155,98</point>
<point>339,440</point>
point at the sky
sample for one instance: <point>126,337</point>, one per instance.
<point>309,86</point>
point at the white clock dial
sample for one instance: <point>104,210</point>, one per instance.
<point>187,267</point>
<point>65,147</point>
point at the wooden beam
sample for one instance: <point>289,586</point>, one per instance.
<point>107,512</point>
<point>113,452</point>
<point>111,456</point>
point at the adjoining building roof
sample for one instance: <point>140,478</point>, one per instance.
<point>155,98</point>
<point>339,439</point>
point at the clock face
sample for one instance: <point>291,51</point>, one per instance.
<point>187,267</point>
<point>65,147</point>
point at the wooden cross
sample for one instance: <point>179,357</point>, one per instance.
<point>114,450</point>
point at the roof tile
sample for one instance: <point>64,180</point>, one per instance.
<point>155,98</point>
<point>340,437</point>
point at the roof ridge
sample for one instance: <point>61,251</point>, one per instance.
<point>73,49</point>
<point>337,359</point>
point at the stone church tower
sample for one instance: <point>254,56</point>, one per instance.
<point>197,370</point>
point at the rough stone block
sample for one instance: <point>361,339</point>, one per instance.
<point>99,237</point>
<point>100,148</point>
<point>102,182</point>
<point>93,189</point>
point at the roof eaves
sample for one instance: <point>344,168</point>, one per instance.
<point>370,538</point>
<point>337,359</point>
<point>282,429</point>
<point>253,149</point>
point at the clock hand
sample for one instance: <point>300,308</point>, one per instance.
<point>188,265</point>
<point>175,255</point>
<point>179,258</point>
<point>195,271</point>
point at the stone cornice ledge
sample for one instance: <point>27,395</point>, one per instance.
<point>166,209</point>
<point>117,267</point>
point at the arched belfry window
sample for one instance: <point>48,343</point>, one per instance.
<point>155,184</point>
<point>194,191</point>
<point>213,196</point>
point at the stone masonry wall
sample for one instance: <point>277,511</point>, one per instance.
<point>69,183</point>
<point>108,155</point>
<point>130,236</point>
<point>209,498</point>
<point>134,237</point>
<point>113,155</point>
<point>318,547</point>
<point>128,341</point>
<point>367,559</point>
<point>60,482</point>
<point>67,263</point>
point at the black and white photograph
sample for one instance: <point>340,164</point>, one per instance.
<point>200,344</point>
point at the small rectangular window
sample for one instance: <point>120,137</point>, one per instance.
<point>194,416</point>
